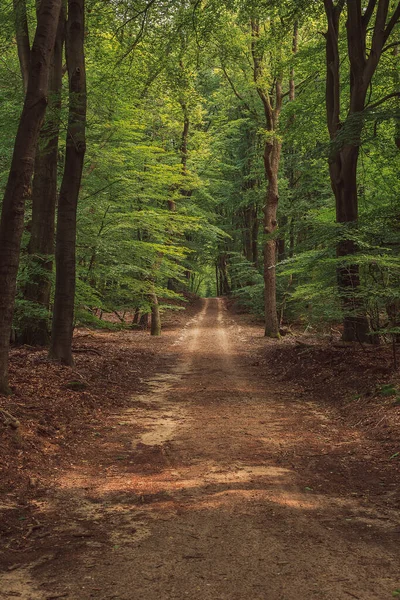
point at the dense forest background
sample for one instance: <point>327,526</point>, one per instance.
<point>245,148</point>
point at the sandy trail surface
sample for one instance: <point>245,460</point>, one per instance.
<point>195,493</point>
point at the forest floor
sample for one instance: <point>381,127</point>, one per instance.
<point>207,464</point>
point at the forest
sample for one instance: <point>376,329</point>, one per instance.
<point>177,167</point>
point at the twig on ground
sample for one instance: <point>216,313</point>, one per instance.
<point>87,350</point>
<point>8,419</point>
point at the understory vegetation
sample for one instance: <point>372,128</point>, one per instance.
<point>233,148</point>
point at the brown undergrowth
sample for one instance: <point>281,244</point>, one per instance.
<point>358,389</point>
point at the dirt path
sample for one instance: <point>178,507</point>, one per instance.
<point>197,492</point>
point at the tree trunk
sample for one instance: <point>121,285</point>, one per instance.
<point>217,284</point>
<point>343,172</point>
<point>247,233</point>
<point>144,320</point>
<point>22,37</point>
<point>136,315</point>
<point>396,54</point>
<point>343,175</point>
<point>44,195</point>
<point>281,242</point>
<point>272,105</point>
<point>272,155</point>
<point>64,299</point>
<point>19,180</point>
<point>344,154</point>
<point>254,238</point>
<point>155,328</point>
<point>224,287</point>
<point>393,312</point>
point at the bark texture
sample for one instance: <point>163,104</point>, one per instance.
<point>272,105</point>
<point>44,196</point>
<point>222,279</point>
<point>19,180</point>
<point>22,38</point>
<point>64,299</point>
<point>155,328</point>
<point>346,135</point>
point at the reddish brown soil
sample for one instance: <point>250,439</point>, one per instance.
<point>207,464</point>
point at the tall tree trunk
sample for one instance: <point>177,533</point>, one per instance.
<point>271,160</point>
<point>44,195</point>
<point>396,54</point>
<point>272,105</point>
<point>247,233</point>
<point>19,180</point>
<point>343,171</point>
<point>217,283</point>
<point>64,299</point>
<point>155,328</point>
<point>290,150</point>
<point>344,154</point>
<point>224,286</point>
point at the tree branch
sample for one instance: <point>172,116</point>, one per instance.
<point>355,37</point>
<point>144,11</point>
<point>392,22</point>
<point>368,13</point>
<point>393,45</point>
<point>238,96</point>
<point>378,36</point>
<point>382,100</point>
<point>257,73</point>
<point>300,85</point>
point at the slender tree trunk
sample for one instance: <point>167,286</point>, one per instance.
<point>22,37</point>
<point>396,54</point>
<point>393,308</point>
<point>136,315</point>
<point>272,105</point>
<point>64,299</point>
<point>155,328</point>
<point>290,150</point>
<point>272,157</point>
<point>19,180</point>
<point>44,195</point>
<point>246,233</point>
<point>254,237</point>
<point>224,287</point>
